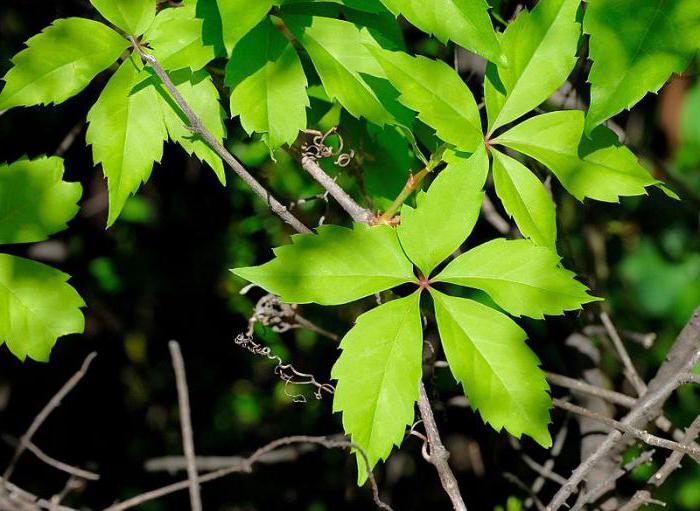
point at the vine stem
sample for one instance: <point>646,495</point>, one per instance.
<point>413,183</point>
<point>197,126</point>
<point>439,453</point>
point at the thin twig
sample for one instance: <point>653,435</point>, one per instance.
<point>438,454</point>
<point>356,212</point>
<point>53,462</point>
<point>186,424</point>
<point>642,435</point>
<point>630,371</point>
<point>680,361</point>
<point>41,417</point>
<point>197,126</point>
<point>492,216</point>
<point>246,467</point>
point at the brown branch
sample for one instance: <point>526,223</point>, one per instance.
<point>642,435</point>
<point>41,417</point>
<point>630,371</point>
<point>438,453</point>
<point>186,424</point>
<point>352,208</point>
<point>197,126</point>
<point>246,466</point>
<point>681,359</point>
<point>53,462</point>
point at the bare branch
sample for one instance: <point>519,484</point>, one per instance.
<point>53,403</point>
<point>438,454</point>
<point>197,126</point>
<point>630,371</point>
<point>642,435</point>
<point>183,398</point>
<point>53,462</point>
<point>681,359</point>
<point>247,466</point>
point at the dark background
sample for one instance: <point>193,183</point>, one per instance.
<point>161,273</point>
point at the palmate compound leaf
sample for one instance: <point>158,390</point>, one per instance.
<point>521,277</point>
<point>132,16</point>
<point>378,375</point>
<point>600,167</point>
<point>268,85</point>
<point>335,266</point>
<point>501,376</point>
<point>126,132</point>
<point>635,47</point>
<point>35,202</point>
<point>60,62</point>
<point>525,199</point>
<point>340,52</point>
<point>435,90</point>
<point>176,39</point>
<point>238,17</point>
<point>37,306</point>
<point>540,47</point>
<point>447,213</point>
<point>465,22</point>
<point>203,97</point>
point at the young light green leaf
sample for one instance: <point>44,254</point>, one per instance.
<point>501,376</point>
<point>60,62</point>
<point>600,168</point>
<point>540,47</point>
<point>434,90</point>
<point>38,307</point>
<point>378,377</point>
<point>126,132</point>
<point>176,39</point>
<point>203,97</point>
<point>635,47</point>
<point>340,52</point>
<point>268,86</point>
<point>238,17</point>
<point>35,202</point>
<point>337,265</point>
<point>447,213</point>
<point>525,199</point>
<point>465,22</point>
<point>521,277</point>
<point>132,16</point>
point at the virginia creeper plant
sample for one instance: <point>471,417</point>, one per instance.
<point>289,65</point>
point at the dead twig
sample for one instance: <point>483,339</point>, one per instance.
<point>183,398</point>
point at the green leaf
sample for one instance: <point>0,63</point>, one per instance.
<point>525,199</point>
<point>340,52</point>
<point>132,16</point>
<point>447,213</point>
<point>60,62</point>
<point>201,94</point>
<point>465,22</point>
<point>600,167</point>
<point>435,90</point>
<point>35,202</point>
<point>126,132</point>
<point>268,86</point>
<point>212,28</point>
<point>378,375</point>
<point>238,17</point>
<point>38,307</point>
<point>176,39</point>
<point>635,47</point>
<point>337,265</point>
<point>540,47</point>
<point>521,277</point>
<point>501,376</point>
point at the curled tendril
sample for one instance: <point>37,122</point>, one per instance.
<point>318,150</point>
<point>286,372</point>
